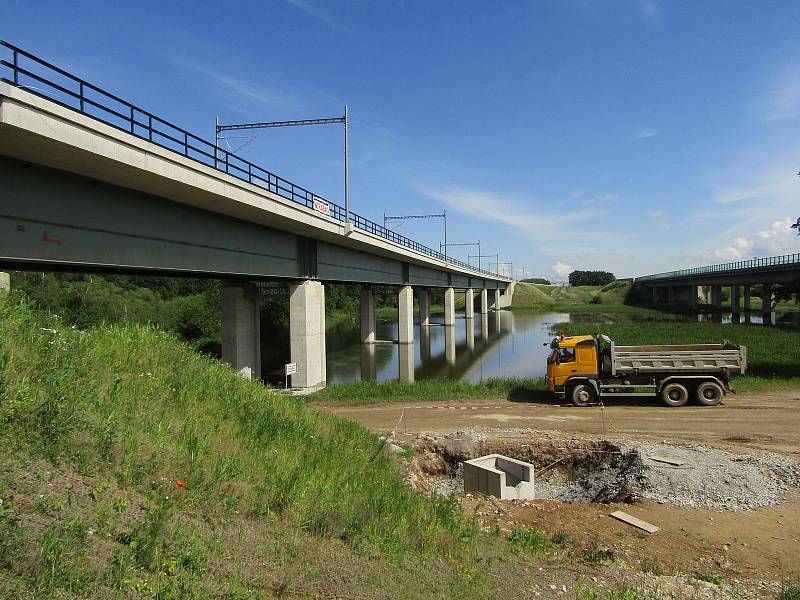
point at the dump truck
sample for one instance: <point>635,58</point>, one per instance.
<point>586,368</point>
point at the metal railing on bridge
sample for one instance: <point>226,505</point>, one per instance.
<point>768,263</point>
<point>57,85</point>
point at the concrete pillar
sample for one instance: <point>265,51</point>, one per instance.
<point>766,304</point>
<point>367,315</point>
<point>470,334</point>
<point>670,295</point>
<point>735,306</point>
<point>405,315</point>
<point>485,328</point>
<point>5,282</point>
<point>307,333</point>
<point>449,306</point>
<point>424,299</point>
<point>496,300</point>
<point>484,301</point>
<point>241,329</point>
<point>654,291</point>
<point>746,298</point>
<point>469,304</point>
<point>693,297</point>
<point>425,345</point>
<point>716,295</point>
<point>406,355</point>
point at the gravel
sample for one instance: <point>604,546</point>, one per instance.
<point>714,478</point>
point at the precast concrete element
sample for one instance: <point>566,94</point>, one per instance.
<point>405,315</point>
<point>449,306</point>
<point>424,299</point>
<point>307,333</point>
<point>241,329</point>
<point>499,476</point>
<point>484,301</point>
<point>469,304</point>
<point>367,315</point>
<point>406,356</point>
<point>5,282</point>
<point>735,306</point>
<point>716,295</point>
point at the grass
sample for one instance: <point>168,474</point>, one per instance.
<point>773,354</point>
<point>790,592</point>
<point>714,577</point>
<point>530,539</point>
<point>433,390</point>
<point>132,465</point>
<point>556,297</point>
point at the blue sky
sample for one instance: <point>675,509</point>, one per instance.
<point>629,135</point>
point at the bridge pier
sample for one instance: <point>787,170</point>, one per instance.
<point>424,299</point>
<point>5,282</point>
<point>693,297</point>
<point>405,315</point>
<point>307,333</point>
<point>716,296</point>
<point>449,306</point>
<point>241,329</point>
<point>670,295</point>
<point>495,303</point>
<point>367,309</point>
<point>484,301</point>
<point>735,294</point>
<point>450,345</point>
<point>767,313</point>
<point>406,356</point>
<point>469,304</point>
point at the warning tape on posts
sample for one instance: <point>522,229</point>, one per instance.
<point>447,407</point>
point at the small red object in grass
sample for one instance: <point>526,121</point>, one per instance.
<point>180,483</point>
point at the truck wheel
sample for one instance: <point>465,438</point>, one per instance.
<point>583,395</point>
<point>674,394</point>
<point>606,364</point>
<point>709,393</point>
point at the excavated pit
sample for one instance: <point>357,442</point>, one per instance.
<point>583,471</point>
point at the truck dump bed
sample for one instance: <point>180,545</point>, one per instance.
<point>684,358</point>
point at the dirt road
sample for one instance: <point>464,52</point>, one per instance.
<point>768,421</point>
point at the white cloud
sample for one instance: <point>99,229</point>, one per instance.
<point>782,101</point>
<point>243,88</point>
<point>657,214</point>
<point>318,14</point>
<point>561,269</point>
<point>644,134</point>
<point>650,8</point>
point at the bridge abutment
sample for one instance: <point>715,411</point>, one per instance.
<point>241,329</point>
<point>307,333</point>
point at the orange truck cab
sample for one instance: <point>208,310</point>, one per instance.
<point>572,359</point>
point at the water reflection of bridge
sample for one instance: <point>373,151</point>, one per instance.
<point>443,351</point>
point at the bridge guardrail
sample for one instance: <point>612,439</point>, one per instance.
<point>92,101</point>
<point>741,265</point>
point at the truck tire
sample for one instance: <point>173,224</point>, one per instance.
<point>583,394</point>
<point>606,365</point>
<point>709,393</point>
<point>674,394</point>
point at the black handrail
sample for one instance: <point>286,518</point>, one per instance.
<point>783,261</point>
<point>145,125</point>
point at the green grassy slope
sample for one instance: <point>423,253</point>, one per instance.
<point>528,295</point>
<point>99,427</point>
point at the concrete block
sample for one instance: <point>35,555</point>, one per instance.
<point>5,282</point>
<point>500,476</point>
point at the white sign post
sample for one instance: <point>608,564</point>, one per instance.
<point>291,369</point>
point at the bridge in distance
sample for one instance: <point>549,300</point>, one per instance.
<point>91,182</point>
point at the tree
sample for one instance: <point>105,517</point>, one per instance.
<point>539,280</point>
<point>591,278</point>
